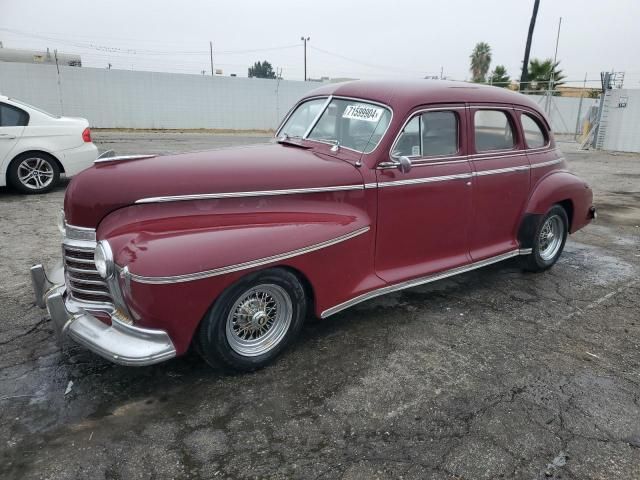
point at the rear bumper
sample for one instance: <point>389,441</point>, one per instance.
<point>77,159</point>
<point>119,342</point>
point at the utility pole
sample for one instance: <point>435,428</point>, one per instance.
<point>551,85</point>
<point>211,56</point>
<point>305,40</point>
<point>55,54</point>
<point>527,49</point>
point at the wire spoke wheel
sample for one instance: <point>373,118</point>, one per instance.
<point>35,173</point>
<point>259,319</point>
<point>550,237</point>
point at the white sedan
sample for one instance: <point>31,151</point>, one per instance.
<point>36,148</point>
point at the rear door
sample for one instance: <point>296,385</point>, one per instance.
<point>12,123</point>
<point>501,180</point>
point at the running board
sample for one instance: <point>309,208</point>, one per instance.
<point>422,280</point>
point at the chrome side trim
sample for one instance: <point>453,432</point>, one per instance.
<point>262,193</point>
<point>414,181</point>
<point>479,173</point>
<point>122,157</point>
<point>500,170</point>
<point>491,154</point>
<point>546,164</point>
<point>426,161</point>
<point>370,185</point>
<point>246,265</point>
<point>419,281</point>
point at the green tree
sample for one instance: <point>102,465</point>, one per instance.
<point>540,73</point>
<point>480,62</point>
<point>499,77</point>
<point>262,70</point>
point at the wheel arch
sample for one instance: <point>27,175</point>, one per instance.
<point>567,204</point>
<point>559,188</point>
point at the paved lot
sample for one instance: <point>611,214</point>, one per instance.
<point>492,374</point>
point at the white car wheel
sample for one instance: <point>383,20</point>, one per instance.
<point>34,173</point>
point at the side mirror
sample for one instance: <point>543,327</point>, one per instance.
<point>404,164</point>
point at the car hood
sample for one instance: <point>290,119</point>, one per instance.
<point>108,186</point>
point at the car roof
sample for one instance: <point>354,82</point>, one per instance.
<point>406,94</point>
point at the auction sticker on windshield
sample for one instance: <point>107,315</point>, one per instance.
<point>362,112</point>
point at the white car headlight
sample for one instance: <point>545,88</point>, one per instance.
<point>103,258</point>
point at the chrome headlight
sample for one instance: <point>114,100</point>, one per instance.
<point>61,222</point>
<point>103,258</point>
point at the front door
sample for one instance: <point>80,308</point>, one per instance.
<point>423,214</point>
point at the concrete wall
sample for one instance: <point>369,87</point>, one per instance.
<point>134,99</point>
<point>621,124</point>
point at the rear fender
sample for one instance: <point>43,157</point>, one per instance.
<point>560,187</point>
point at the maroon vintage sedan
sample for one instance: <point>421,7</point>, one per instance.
<point>371,187</point>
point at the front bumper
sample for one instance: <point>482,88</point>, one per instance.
<point>119,342</point>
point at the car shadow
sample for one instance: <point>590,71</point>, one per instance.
<point>9,193</point>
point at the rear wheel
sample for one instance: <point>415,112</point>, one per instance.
<point>253,321</point>
<point>33,173</point>
<point>549,240</point>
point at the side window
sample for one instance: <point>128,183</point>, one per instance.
<point>533,134</point>
<point>439,133</point>
<point>429,134</point>
<point>493,131</point>
<point>408,143</point>
<point>11,116</point>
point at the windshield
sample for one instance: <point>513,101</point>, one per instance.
<point>354,124</point>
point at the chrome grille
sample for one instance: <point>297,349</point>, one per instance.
<point>82,279</point>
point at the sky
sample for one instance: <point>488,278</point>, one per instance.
<point>348,38</point>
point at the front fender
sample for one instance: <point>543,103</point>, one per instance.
<point>172,240</point>
<point>178,254</point>
<point>561,187</point>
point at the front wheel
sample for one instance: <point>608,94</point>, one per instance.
<point>253,321</point>
<point>549,240</point>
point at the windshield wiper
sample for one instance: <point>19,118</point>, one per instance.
<point>287,140</point>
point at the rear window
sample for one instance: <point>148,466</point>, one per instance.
<point>533,133</point>
<point>493,131</point>
<point>11,116</point>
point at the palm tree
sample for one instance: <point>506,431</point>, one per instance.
<point>480,62</point>
<point>499,77</point>
<point>541,73</point>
